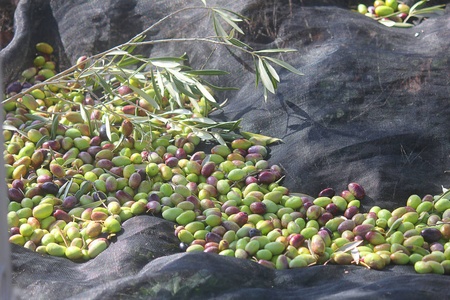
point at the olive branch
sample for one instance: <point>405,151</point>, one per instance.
<point>174,95</point>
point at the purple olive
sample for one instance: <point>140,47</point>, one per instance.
<point>69,202</point>
<point>15,194</point>
<point>258,208</point>
<point>14,87</point>
<point>357,190</point>
<point>351,211</point>
<point>328,192</point>
<point>431,235</point>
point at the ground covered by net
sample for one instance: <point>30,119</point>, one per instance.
<point>372,108</point>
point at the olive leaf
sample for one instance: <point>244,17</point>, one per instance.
<point>108,126</point>
<point>349,246</point>
<point>12,128</point>
<point>266,139</point>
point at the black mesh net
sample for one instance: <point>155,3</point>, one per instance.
<point>372,108</point>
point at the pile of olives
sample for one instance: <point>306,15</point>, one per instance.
<point>71,185</point>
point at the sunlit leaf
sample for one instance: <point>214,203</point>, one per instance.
<point>276,51</point>
<point>117,52</point>
<point>265,78</point>
<point>387,22</point>
<point>230,20</point>
<point>155,87</point>
<point>219,29</point>
<point>160,82</point>
<point>180,76</point>
<point>284,65</point>
<point>219,138</point>
<point>355,255</point>
<point>272,71</point>
<point>403,25</point>
<point>234,13</point>
<point>42,140</point>
<point>194,103</point>
<point>108,126</point>
<point>144,95</point>
<point>239,43</point>
<point>202,134</point>
<point>266,139</point>
<point>54,127</point>
<point>205,92</point>
<point>202,119</point>
<point>84,114</point>
<point>165,64</point>
<point>349,246</point>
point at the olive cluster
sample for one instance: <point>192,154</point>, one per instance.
<point>396,11</point>
<point>71,185</point>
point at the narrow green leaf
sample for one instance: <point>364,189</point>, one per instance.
<point>265,93</point>
<point>271,71</point>
<point>144,95</point>
<point>257,73</point>
<point>205,92</point>
<point>202,134</point>
<point>61,189</point>
<point>267,139</point>
<point>207,72</point>
<point>235,13</point>
<point>204,2</point>
<point>36,117</point>
<point>230,20</point>
<point>416,5</point>
<point>265,77</point>
<point>285,65</point>
<point>103,83</point>
<point>168,58</point>
<point>218,138</point>
<point>12,128</point>
<point>160,82</point>
<point>117,52</point>
<point>84,114</point>
<point>42,140</point>
<point>239,43</point>
<point>67,189</point>
<point>387,22</point>
<point>35,126</point>
<point>220,32</point>
<point>155,88</point>
<point>202,120</point>
<point>349,246</point>
<point>178,111</point>
<point>180,76</point>
<point>165,64</point>
<point>108,126</point>
<point>129,61</point>
<point>122,137</point>
<point>184,88</point>
<point>54,127</point>
<point>93,204</point>
<point>194,103</point>
<point>68,162</point>
<point>276,51</point>
<point>231,136</point>
<point>218,88</point>
<point>403,25</point>
<point>84,186</point>
<point>120,78</point>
